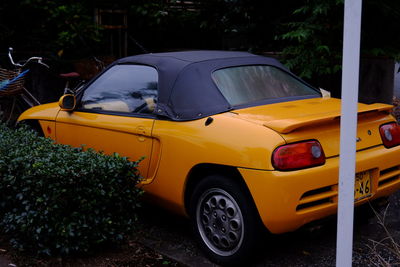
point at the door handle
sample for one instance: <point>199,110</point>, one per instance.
<point>141,132</point>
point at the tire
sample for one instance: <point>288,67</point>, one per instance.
<point>225,220</point>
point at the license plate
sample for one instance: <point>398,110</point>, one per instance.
<point>362,187</point>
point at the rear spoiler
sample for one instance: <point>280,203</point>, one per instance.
<point>285,126</point>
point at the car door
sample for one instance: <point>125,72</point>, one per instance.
<point>114,114</point>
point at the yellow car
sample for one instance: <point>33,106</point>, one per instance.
<point>233,140</point>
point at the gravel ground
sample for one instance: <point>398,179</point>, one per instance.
<point>309,246</point>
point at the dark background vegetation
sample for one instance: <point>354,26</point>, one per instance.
<point>305,34</point>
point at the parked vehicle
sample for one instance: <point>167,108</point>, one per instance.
<point>233,140</point>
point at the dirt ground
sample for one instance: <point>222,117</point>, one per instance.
<point>131,253</point>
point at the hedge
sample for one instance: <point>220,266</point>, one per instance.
<point>59,200</point>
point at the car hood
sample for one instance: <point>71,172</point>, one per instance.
<point>318,118</point>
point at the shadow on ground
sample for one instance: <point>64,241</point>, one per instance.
<point>310,246</point>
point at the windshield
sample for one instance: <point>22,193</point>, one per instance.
<point>247,84</point>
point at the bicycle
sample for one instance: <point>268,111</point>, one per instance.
<point>14,97</point>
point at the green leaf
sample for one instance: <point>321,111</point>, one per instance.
<point>58,200</point>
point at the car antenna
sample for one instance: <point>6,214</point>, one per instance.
<point>144,50</point>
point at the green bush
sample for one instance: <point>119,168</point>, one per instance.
<point>59,200</point>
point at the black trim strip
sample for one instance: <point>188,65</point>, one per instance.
<point>116,113</point>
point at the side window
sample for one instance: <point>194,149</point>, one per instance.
<point>123,88</point>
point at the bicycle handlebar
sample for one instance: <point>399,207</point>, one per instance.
<point>37,59</point>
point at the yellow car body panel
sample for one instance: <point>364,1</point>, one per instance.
<point>305,123</point>
<point>46,116</point>
<point>43,112</point>
<point>128,136</point>
<point>306,195</point>
<point>244,139</point>
<point>182,149</point>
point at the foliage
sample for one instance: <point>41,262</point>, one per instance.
<point>314,39</point>
<point>244,24</point>
<point>154,11</point>
<point>72,22</point>
<point>311,38</point>
<point>158,26</point>
<point>74,26</point>
<point>49,25</point>
<point>217,24</point>
<point>380,28</point>
<point>309,32</point>
<point>59,200</point>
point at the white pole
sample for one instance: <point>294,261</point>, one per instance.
<point>348,131</point>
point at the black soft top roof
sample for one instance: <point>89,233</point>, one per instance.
<point>186,88</point>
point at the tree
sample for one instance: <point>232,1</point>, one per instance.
<point>312,37</point>
<point>49,25</point>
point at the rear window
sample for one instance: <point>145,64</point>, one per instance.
<point>247,84</point>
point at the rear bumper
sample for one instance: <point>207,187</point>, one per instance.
<point>288,200</point>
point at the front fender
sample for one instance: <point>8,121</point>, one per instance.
<point>43,115</point>
<point>47,112</point>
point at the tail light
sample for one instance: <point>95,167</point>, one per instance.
<point>390,134</point>
<point>298,156</point>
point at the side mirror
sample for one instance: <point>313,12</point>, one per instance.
<point>67,102</point>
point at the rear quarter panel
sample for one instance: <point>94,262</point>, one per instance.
<point>226,141</point>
